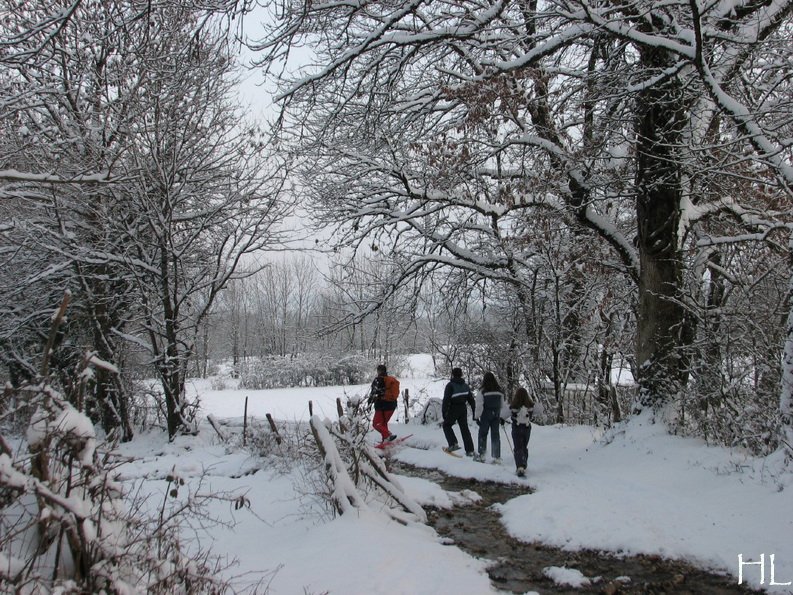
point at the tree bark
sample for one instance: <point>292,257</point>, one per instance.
<point>108,391</point>
<point>786,396</point>
<point>660,316</point>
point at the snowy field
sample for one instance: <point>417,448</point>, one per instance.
<point>636,490</point>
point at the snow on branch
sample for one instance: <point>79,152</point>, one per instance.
<point>13,175</point>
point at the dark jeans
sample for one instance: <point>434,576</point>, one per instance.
<point>458,415</point>
<point>520,439</point>
<point>489,422</point>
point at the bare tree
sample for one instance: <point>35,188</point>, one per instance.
<point>70,106</point>
<point>442,129</point>
<point>307,279</point>
<point>203,195</point>
<point>147,187</point>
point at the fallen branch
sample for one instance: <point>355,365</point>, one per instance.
<point>366,464</point>
<point>216,426</point>
<point>345,495</point>
<point>390,486</point>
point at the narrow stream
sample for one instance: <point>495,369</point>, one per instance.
<point>518,567</point>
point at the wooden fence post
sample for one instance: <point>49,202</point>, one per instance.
<point>245,423</point>
<point>274,428</point>
<point>340,411</point>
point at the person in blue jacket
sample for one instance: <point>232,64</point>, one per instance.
<point>457,398</point>
<point>491,410</point>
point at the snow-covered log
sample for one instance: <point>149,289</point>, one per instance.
<point>368,465</point>
<point>345,494</point>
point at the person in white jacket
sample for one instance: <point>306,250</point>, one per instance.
<point>491,410</point>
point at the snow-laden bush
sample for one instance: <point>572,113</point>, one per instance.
<point>66,525</point>
<point>431,412</point>
<point>739,417</point>
<point>315,369</point>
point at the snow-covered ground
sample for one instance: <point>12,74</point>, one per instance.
<point>634,490</point>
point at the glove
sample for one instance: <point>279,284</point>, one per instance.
<point>503,421</point>
<point>370,400</point>
<point>476,420</point>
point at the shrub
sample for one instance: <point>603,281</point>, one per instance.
<point>308,370</point>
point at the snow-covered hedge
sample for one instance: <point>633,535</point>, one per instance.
<point>315,369</point>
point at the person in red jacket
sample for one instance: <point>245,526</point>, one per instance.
<point>384,394</point>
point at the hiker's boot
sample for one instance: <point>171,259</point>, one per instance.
<point>521,472</point>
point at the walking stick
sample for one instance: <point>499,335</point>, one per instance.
<point>508,440</point>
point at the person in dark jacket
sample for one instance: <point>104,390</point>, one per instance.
<point>521,411</point>
<point>457,398</point>
<point>491,410</point>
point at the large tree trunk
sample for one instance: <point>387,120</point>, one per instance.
<point>660,316</point>
<point>112,402</point>
<point>109,391</point>
<point>104,307</point>
<point>786,397</point>
<point>170,367</point>
<point>174,401</point>
<point>173,381</point>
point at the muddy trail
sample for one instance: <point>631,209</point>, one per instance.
<point>518,567</point>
